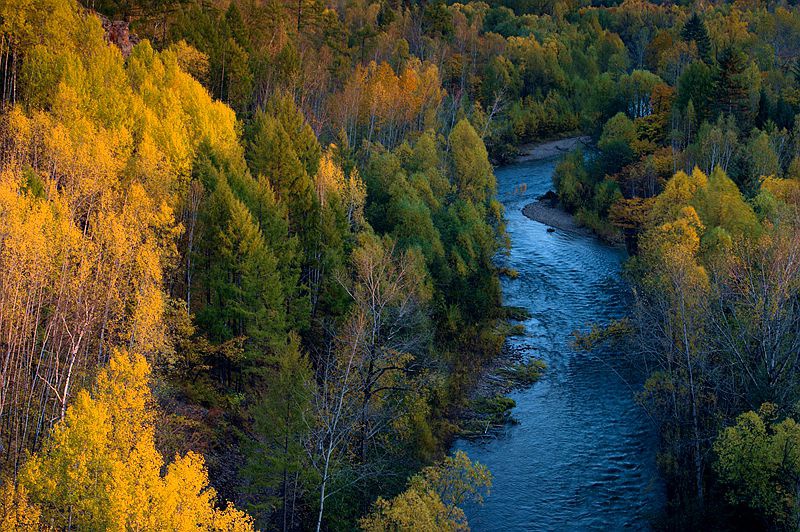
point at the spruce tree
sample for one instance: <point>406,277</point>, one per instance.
<point>271,153</point>
<point>304,142</point>
<point>277,466</point>
<point>695,30</point>
<point>731,90</point>
<point>238,273</point>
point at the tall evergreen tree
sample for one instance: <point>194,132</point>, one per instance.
<point>695,31</point>
<point>271,153</point>
<point>277,469</point>
<point>237,271</point>
<point>304,141</point>
<point>731,88</point>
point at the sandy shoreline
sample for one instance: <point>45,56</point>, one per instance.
<point>544,212</point>
<point>553,148</point>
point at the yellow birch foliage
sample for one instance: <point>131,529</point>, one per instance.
<point>16,511</point>
<point>332,183</point>
<point>786,190</point>
<point>379,104</point>
<point>100,470</point>
<point>93,167</point>
<point>415,509</point>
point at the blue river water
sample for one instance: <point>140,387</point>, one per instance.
<point>582,456</point>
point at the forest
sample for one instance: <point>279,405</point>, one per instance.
<point>248,273</point>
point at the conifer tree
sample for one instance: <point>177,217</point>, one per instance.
<point>271,153</point>
<point>242,290</point>
<point>695,31</point>
<point>731,95</point>
<point>277,460</point>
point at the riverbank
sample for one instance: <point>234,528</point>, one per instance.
<point>543,211</point>
<point>488,408</point>
<point>548,150</point>
<point>581,454</point>
<point>546,209</point>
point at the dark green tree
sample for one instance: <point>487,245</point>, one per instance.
<point>695,31</point>
<point>277,470</point>
<point>238,277</point>
<point>731,90</point>
<point>271,153</point>
<point>696,84</point>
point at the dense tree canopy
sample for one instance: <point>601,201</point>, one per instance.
<point>260,237</point>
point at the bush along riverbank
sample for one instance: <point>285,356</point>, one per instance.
<point>487,408</point>
<point>566,215</point>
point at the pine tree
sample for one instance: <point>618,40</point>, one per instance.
<point>695,31</point>
<point>696,84</point>
<point>731,88</point>
<point>238,273</point>
<point>256,299</point>
<point>277,460</point>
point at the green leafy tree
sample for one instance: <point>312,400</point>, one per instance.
<point>472,171</point>
<point>572,181</point>
<point>759,464</point>
<point>617,144</point>
<point>696,86</point>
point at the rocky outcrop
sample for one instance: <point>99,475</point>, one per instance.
<point>118,33</point>
<point>550,198</point>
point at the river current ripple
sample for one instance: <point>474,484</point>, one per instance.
<point>583,454</point>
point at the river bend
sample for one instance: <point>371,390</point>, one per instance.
<point>583,454</point>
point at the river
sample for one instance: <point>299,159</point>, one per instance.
<point>583,453</point>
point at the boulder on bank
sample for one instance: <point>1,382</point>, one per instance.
<point>550,198</point>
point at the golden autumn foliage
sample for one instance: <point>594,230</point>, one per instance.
<point>16,511</point>
<point>414,509</point>
<point>631,214</point>
<point>786,190</point>
<point>715,200</point>
<point>433,499</point>
<point>675,245</point>
<point>677,193</point>
<point>95,158</point>
<point>99,469</point>
<point>124,186</point>
<point>349,190</point>
<point>379,104</point>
